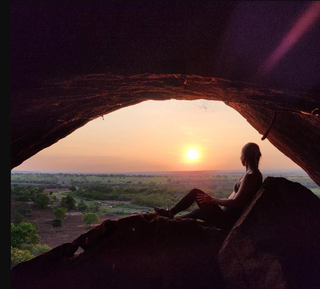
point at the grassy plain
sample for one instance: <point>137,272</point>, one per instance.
<point>120,194</point>
<point>113,196</point>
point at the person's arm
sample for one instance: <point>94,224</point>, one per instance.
<point>242,198</point>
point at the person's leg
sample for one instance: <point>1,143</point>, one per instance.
<point>186,202</point>
<point>195,214</point>
<point>182,205</point>
<point>210,213</point>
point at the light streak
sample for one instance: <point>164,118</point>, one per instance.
<point>301,26</point>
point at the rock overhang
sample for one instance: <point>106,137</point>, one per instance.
<point>55,107</point>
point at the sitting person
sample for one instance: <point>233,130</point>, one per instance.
<point>223,213</point>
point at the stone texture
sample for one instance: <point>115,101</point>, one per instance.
<point>139,251</point>
<point>276,242</point>
<point>54,107</point>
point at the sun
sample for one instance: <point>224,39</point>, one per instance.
<point>192,154</point>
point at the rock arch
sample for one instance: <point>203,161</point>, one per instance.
<point>55,107</point>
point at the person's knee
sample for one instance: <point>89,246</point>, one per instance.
<point>196,191</point>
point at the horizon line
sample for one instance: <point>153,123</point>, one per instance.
<point>151,172</point>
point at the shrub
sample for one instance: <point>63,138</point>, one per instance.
<point>90,218</point>
<point>42,200</point>
<point>68,202</point>
<point>59,213</point>
<point>19,255</point>
<point>56,223</point>
<point>82,207</point>
<point>37,249</point>
<point>23,233</point>
<point>18,218</point>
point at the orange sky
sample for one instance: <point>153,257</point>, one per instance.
<point>155,136</point>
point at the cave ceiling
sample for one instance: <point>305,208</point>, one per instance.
<point>72,62</point>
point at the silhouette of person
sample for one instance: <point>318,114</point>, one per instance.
<point>223,213</point>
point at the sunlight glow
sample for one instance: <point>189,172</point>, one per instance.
<point>192,154</point>
<point>139,139</point>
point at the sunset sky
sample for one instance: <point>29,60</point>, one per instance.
<point>158,136</point>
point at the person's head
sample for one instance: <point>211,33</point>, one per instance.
<point>250,154</point>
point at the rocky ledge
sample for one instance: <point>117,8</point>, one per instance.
<point>274,244</point>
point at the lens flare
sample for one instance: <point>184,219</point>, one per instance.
<point>301,26</point>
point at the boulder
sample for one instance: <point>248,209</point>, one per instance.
<point>276,242</point>
<point>138,251</point>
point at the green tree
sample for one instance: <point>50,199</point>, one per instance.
<point>93,208</point>
<point>54,200</point>
<point>37,249</point>
<point>90,218</point>
<point>23,233</point>
<point>19,255</point>
<point>27,252</point>
<point>82,207</point>
<point>22,195</point>
<point>42,200</point>
<point>34,224</point>
<point>68,202</point>
<point>59,213</point>
<point>56,223</point>
<point>34,192</point>
<point>18,218</point>
<point>73,189</point>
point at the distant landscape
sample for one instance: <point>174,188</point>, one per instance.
<point>128,186</point>
<point>36,196</point>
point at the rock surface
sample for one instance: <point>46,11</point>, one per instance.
<point>142,251</point>
<point>275,244</point>
<point>54,108</point>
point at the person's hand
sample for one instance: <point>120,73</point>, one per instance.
<point>204,198</point>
